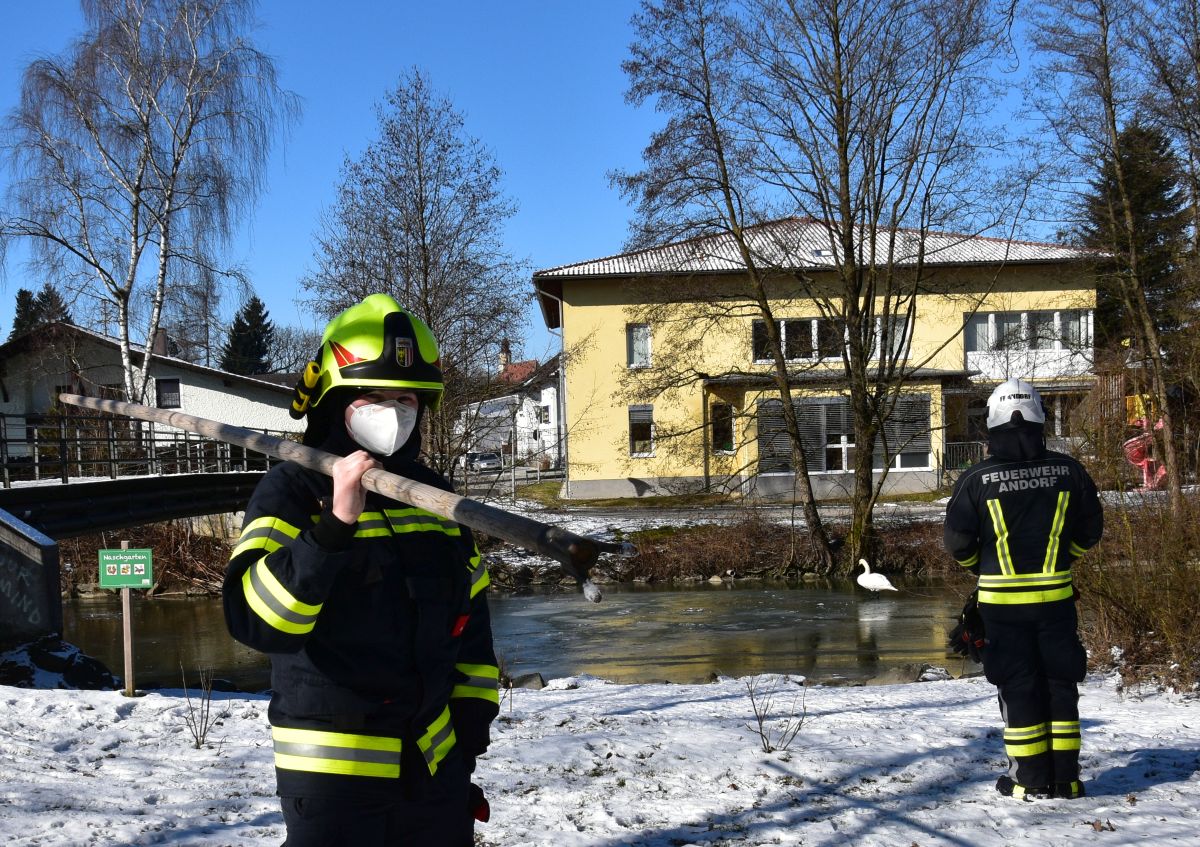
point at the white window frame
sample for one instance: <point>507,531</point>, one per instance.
<point>640,408</point>
<point>1027,341</point>
<point>631,344</point>
<point>900,345</point>
<point>814,329</point>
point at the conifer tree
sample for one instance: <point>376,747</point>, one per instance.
<point>1154,181</point>
<point>248,348</point>
<point>33,310</point>
<point>51,307</point>
<point>25,317</point>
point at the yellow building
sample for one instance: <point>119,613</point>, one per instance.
<point>668,385</point>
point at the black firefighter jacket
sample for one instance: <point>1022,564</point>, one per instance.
<point>379,634</point>
<point>1020,524</point>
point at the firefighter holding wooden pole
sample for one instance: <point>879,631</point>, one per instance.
<point>373,611</point>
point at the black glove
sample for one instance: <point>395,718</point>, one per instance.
<point>480,810</point>
<point>967,637</point>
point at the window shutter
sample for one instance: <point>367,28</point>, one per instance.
<point>774,446</point>
<point>907,428</point>
<point>810,416</point>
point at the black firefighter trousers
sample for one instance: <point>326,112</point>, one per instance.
<point>425,811</point>
<point>1035,659</point>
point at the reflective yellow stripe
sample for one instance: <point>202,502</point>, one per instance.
<point>371,525</point>
<point>267,597</point>
<point>1033,749</point>
<point>1056,528</point>
<point>971,562</point>
<point>1064,735</point>
<point>336,752</point>
<point>1026,740</point>
<point>265,534</point>
<point>1016,598</point>
<point>1001,531</point>
<point>483,682</point>
<point>1075,550</point>
<point>437,740</point>
<point>420,520</point>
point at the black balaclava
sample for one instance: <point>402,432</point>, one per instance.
<point>327,428</point>
<point>1018,440</point>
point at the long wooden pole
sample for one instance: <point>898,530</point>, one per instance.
<point>576,553</point>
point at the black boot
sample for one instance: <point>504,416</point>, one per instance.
<point>1008,788</point>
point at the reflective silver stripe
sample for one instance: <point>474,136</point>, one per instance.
<point>479,580</point>
<point>268,599</point>
<point>317,751</point>
<point>432,754</point>
<point>372,523</point>
<point>345,754</point>
<point>417,520</point>
<point>265,533</point>
<point>1024,580</point>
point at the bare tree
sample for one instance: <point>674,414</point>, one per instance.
<point>135,151</point>
<point>192,316</point>
<point>420,216</point>
<point>863,117</point>
<point>698,179</point>
<point>1090,82</point>
<point>292,347</point>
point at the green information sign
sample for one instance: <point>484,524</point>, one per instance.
<point>126,569</point>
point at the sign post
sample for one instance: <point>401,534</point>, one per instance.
<point>126,569</point>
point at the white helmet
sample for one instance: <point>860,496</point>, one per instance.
<point>1015,395</point>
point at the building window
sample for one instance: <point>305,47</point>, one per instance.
<point>641,430</point>
<point>1065,329</point>
<point>802,339</point>
<point>827,435</point>
<point>166,393</point>
<point>722,427</point>
<point>898,336</point>
<point>637,345</point>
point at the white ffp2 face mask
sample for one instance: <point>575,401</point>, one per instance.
<point>382,428</point>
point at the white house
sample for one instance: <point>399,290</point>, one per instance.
<point>522,420</point>
<point>60,358</point>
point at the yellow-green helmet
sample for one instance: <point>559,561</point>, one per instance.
<point>374,344</point>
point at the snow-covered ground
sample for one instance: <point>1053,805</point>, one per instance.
<point>586,762</point>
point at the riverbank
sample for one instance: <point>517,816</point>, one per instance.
<point>586,763</point>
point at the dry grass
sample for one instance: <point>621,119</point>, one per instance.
<point>1140,596</point>
<point>185,561</point>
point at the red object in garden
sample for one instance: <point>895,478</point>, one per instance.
<point>1138,451</point>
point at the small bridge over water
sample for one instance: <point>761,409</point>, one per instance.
<point>66,475</point>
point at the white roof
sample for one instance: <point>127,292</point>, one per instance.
<point>806,243</point>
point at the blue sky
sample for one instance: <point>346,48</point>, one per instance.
<point>538,81</point>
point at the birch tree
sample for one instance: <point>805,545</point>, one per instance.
<point>135,151</point>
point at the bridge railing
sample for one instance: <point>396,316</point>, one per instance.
<point>66,446</point>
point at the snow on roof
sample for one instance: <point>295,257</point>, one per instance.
<point>806,243</point>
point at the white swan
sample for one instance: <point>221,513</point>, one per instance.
<point>873,581</point>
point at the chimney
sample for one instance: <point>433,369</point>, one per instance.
<point>159,347</point>
<point>505,354</point>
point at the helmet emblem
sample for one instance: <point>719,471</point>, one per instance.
<point>404,352</point>
<point>342,355</point>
